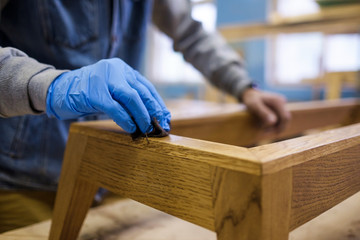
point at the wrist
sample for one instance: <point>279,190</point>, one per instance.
<point>38,88</point>
<point>246,90</point>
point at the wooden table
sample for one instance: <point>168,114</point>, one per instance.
<point>261,192</point>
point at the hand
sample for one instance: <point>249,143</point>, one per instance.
<point>268,107</point>
<point>111,87</point>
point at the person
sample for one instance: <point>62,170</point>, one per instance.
<point>76,60</point>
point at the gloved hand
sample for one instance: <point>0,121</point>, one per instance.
<point>268,107</point>
<point>111,87</point>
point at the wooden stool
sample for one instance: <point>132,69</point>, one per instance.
<point>240,193</point>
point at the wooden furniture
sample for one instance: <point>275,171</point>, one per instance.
<point>261,192</point>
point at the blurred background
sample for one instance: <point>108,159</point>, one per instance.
<point>304,49</point>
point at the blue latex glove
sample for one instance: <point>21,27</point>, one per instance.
<point>111,87</point>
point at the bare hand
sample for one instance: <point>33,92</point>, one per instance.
<point>268,107</point>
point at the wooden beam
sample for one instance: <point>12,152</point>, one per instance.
<point>238,32</point>
<point>329,20</point>
<point>325,166</point>
<point>171,174</point>
<point>72,189</point>
<point>346,11</point>
<point>322,183</point>
<point>293,152</point>
<point>232,124</point>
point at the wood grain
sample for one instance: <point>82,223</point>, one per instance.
<point>172,184</point>
<point>292,152</point>
<point>171,174</point>
<point>237,204</point>
<point>173,146</point>
<point>325,166</point>
<point>232,124</point>
<point>252,207</point>
<point>74,195</point>
<point>323,182</point>
<point>277,193</point>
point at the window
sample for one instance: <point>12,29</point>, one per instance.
<point>297,57</point>
<point>166,66</point>
<point>288,8</point>
<point>307,55</point>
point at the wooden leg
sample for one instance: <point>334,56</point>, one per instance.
<point>251,207</point>
<point>276,205</point>
<point>74,195</point>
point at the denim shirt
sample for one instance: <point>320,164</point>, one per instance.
<point>66,34</point>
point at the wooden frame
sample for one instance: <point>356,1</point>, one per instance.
<point>261,192</point>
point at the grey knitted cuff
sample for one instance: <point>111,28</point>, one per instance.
<point>38,87</point>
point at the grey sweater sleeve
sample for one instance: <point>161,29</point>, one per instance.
<point>209,53</point>
<point>23,83</point>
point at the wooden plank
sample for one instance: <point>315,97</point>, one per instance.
<point>276,205</point>
<point>292,152</point>
<point>324,182</point>
<point>340,222</point>
<point>232,124</point>
<point>226,156</point>
<point>326,169</point>
<point>171,174</point>
<point>237,205</point>
<point>324,14</point>
<point>251,207</point>
<point>239,32</point>
<point>74,196</point>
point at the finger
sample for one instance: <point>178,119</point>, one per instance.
<point>151,104</point>
<point>132,103</point>
<point>166,116</point>
<point>118,79</point>
<point>151,88</point>
<point>120,116</point>
<point>130,100</point>
<point>277,104</point>
<point>266,115</point>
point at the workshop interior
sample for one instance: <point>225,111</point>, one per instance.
<point>180,120</point>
